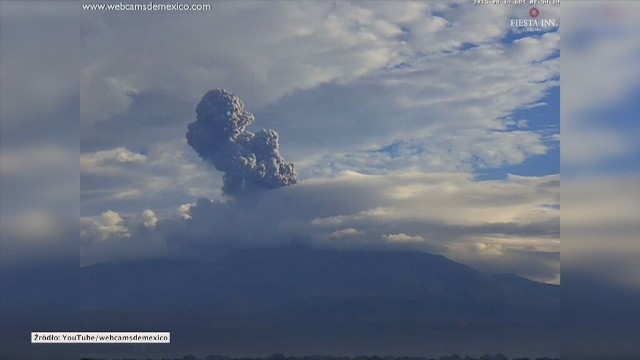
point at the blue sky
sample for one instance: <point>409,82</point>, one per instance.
<point>545,119</point>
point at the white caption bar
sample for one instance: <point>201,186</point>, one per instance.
<point>100,337</point>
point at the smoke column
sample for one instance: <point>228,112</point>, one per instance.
<point>250,161</point>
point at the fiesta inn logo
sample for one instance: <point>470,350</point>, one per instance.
<point>533,23</point>
<point>534,12</point>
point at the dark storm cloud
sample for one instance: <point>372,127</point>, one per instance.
<point>250,161</point>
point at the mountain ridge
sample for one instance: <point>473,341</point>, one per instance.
<point>302,300</point>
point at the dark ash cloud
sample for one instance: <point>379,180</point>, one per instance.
<point>250,161</point>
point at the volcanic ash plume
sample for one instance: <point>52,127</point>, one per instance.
<point>250,161</point>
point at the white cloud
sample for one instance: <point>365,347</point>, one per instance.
<point>452,198</point>
<point>344,233</point>
<point>149,218</point>
<point>292,49</point>
<point>109,224</point>
<point>94,162</point>
<point>443,213</point>
<point>402,237</point>
<point>131,182</point>
<point>340,219</point>
<point>288,46</point>
<point>368,98</point>
<point>183,210</point>
<point>462,150</point>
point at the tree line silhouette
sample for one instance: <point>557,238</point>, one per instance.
<point>319,357</point>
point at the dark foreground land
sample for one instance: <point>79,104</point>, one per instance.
<point>316,357</point>
<point>306,300</point>
<point>294,299</point>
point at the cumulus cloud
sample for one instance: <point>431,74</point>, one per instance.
<point>488,249</point>
<point>184,209</point>
<point>450,214</point>
<point>109,224</point>
<point>115,237</point>
<point>150,218</point>
<point>250,161</point>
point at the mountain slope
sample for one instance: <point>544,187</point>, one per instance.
<point>295,297</point>
<point>272,278</point>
